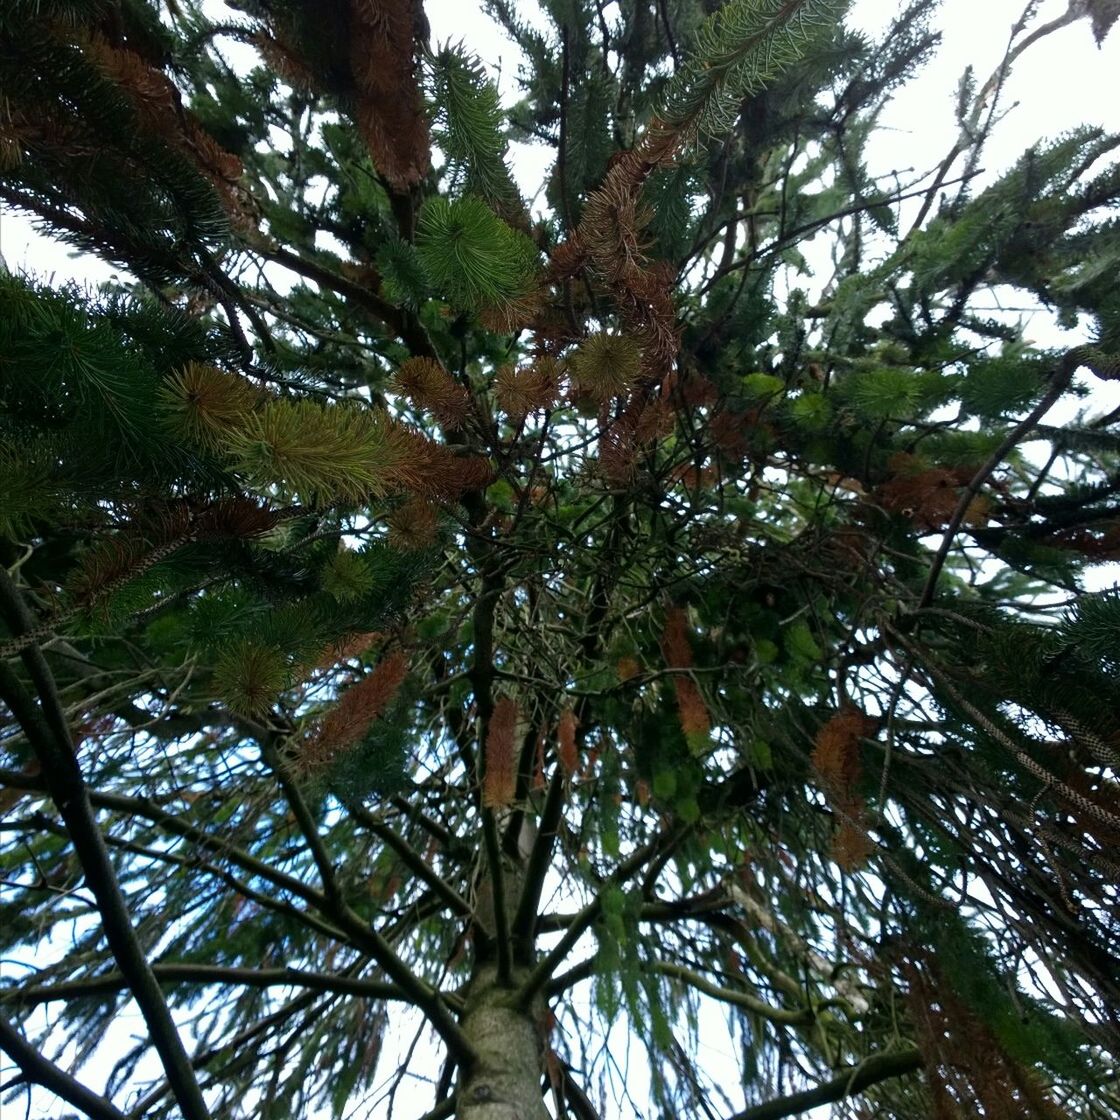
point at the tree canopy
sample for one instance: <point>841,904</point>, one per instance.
<point>462,651</point>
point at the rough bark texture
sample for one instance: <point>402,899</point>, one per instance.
<point>505,1082</point>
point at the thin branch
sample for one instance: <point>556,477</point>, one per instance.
<point>1062,378</point>
<point>49,736</point>
<point>745,1000</point>
<point>148,810</point>
<point>113,982</point>
<point>498,896</point>
<point>967,138</point>
<point>41,1071</point>
<point>851,1081</point>
<point>411,858</point>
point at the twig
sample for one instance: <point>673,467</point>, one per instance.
<point>42,1071</point>
<point>1062,378</point>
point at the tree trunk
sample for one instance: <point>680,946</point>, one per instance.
<point>505,1082</point>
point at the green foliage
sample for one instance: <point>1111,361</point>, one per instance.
<point>316,453</point>
<point>66,369</point>
<point>1005,385</point>
<point>403,278</point>
<point>469,126</point>
<point>89,130</point>
<point>606,364</point>
<point>739,50</point>
<point>471,256</point>
<point>883,394</point>
<point>248,677</point>
<point>1093,626</point>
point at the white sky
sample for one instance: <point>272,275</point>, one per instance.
<point>1060,83</point>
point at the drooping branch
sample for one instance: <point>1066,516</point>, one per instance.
<point>627,869</point>
<point>851,1081</point>
<point>147,809</point>
<point>1062,377</point>
<point>787,1016</point>
<point>40,1071</point>
<point>46,729</point>
<point>113,982</point>
<point>411,859</point>
<point>307,824</point>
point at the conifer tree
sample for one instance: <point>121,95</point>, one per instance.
<point>456,648</point>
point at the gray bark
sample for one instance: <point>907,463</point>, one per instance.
<point>505,1082</point>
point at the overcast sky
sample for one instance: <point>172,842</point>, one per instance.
<point>1059,83</point>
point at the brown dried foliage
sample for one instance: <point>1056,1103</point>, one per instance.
<point>643,422</point>
<point>627,668</point>
<point>926,495</point>
<point>206,404</point>
<point>432,470</point>
<point>566,750</point>
<point>499,782</point>
<point>281,60</point>
<point>160,112</point>
<point>234,517</point>
<point>372,45</point>
<point>1102,541</point>
<point>611,238</point>
<point>968,1070</point>
<point>513,314</point>
<point>675,645</point>
<point>413,525</point>
<point>430,387</point>
<point>155,533</point>
<point>836,760</point>
<point>851,845</point>
<point>348,721</point>
<point>692,710</point>
<point>539,780</point>
<point>390,107</point>
<point>836,749</point>
<point>520,391</point>
<point>677,651</point>
<point>728,429</point>
<point>346,648</point>
<point>567,259</point>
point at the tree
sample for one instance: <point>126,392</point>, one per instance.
<point>422,607</point>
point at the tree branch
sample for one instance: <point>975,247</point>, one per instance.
<point>582,921</point>
<point>207,974</point>
<point>851,1081</point>
<point>49,736</point>
<point>1066,369</point>
<point>497,895</point>
<point>39,1070</point>
<point>411,859</point>
<point>745,1000</point>
<point>525,920</point>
